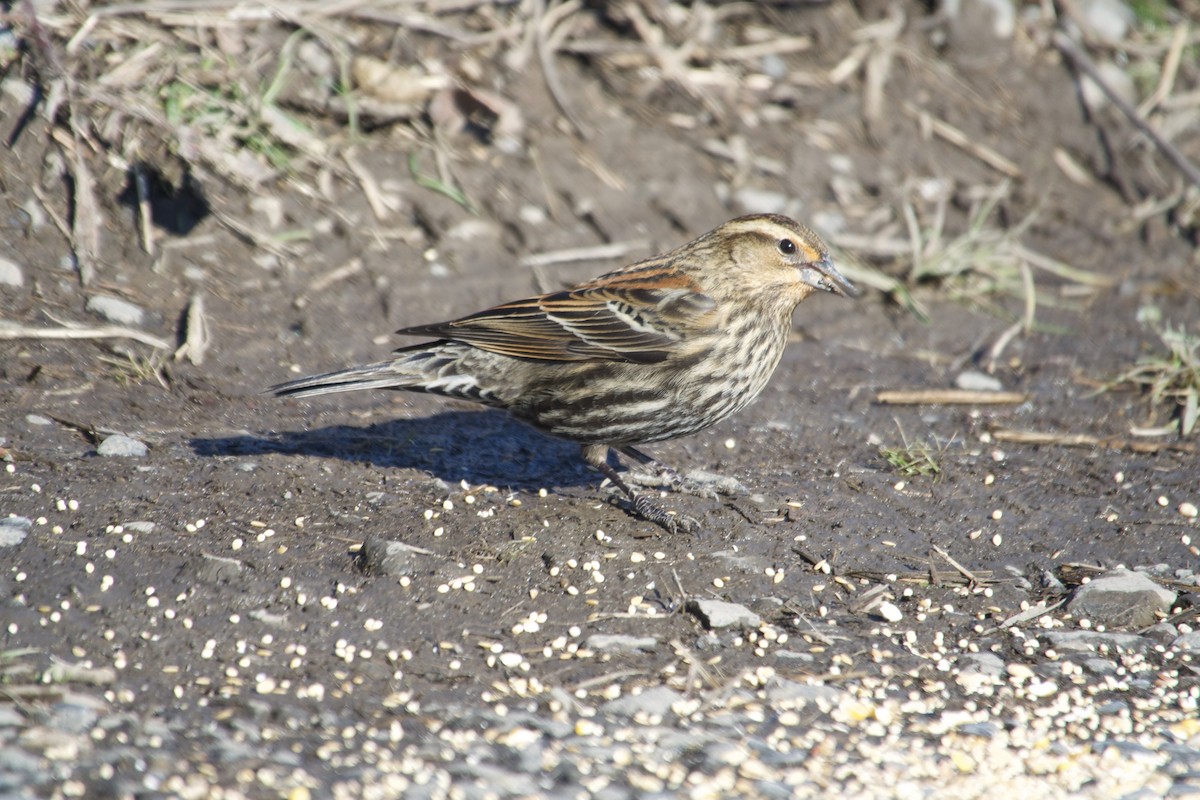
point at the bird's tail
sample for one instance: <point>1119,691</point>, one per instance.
<point>381,375</point>
<point>436,368</point>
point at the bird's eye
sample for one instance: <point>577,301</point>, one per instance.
<point>787,247</point>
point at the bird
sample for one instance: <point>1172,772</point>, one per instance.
<point>663,348</point>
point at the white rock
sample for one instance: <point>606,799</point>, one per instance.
<point>1084,641</point>
<point>719,614</point>
<point>1121,599</point>
<point>1107,20</point>
<point>890,612</point>
<point>1189,642</point>
<point>13,530</point>
<point>975,381</point>
<point>114,309</point>
<point>18,90</point>
<point>656,701</point>
<point>119,445</point>
<point>618,643</point>
<point>10,273</point>
<point>1004,16</point>
<point>271,208</point>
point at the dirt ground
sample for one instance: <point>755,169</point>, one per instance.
<point>247,599</point>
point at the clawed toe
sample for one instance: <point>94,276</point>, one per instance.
<point>649,510</point>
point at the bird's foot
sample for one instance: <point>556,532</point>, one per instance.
<point>647,509</point>
<point>643,504</point>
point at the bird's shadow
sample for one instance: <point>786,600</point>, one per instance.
<point>480,447</point>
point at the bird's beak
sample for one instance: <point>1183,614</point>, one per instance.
<point>824,275</point>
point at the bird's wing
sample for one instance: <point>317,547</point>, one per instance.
<point>641,316</point>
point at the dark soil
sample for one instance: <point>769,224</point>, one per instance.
<point>289,489</point>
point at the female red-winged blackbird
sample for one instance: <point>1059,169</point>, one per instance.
<point>659,349</point>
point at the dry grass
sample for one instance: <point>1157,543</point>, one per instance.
<point>253,94</point>
<point>983,265</point>
<point>1171,377</point>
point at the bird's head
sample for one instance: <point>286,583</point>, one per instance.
<point>774,254</point>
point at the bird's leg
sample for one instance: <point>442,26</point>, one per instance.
<point>697,483</point>
<point>597,456</point>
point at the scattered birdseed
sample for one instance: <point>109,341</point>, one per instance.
<point>1163,501</point>
<point>997,514</point>
<point>1189,510</point>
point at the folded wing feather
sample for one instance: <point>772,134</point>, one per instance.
<point>628,321</point>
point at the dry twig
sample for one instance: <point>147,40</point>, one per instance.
<point>964,142</point>
<point>942,397</point>
<point>1088,440</point>
<point>9,330</point>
